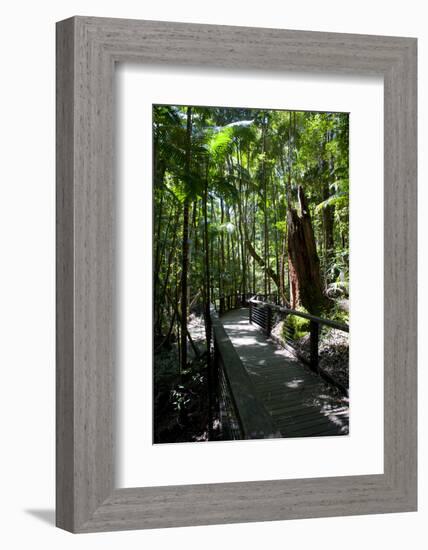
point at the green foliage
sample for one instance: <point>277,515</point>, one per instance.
<point>281,225</point>
<point>339,200</point>
<point>224,187</point>
<point>251,163</point>
<point>220,143</point>
<point>296,326</point>
<point>337,270</point>
<point>299,326</point>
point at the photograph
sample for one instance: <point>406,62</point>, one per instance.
<point>250,273</point>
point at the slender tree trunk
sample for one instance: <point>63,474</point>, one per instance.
<point>282,270</point>
<point>283,240</point>
<point>234,255</point>
<point>254,241</point>
<point>177,281</point>
<point>159,215</point>
<point>192,252</point>
<point>328,211</point>
<point>184,269</point>
<point>238,249</point>
<point>265,225</point>
<point>158,251</point>
<point>211,277</point>
<point>241,236</point>
<point>228,241</point>
<point>185,246</point>
<point>207,312</point>
<point>221,279</point>
<point>275,233</point>
<point>170,262</point>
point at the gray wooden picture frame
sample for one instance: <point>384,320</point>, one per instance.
<point>87,50</point>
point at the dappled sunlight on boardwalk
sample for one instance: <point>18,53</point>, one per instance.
<point>299,401</point>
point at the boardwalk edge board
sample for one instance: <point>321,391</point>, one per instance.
<point>87,499</point>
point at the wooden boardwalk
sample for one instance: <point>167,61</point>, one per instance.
<point>300,403</point>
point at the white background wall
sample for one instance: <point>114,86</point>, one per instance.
<point>27,271</point>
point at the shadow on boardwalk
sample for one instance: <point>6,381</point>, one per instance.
<point>300,402</point>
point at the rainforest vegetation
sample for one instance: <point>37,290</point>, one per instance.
<point>246,201</point>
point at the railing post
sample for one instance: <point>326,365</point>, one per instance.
<point>314,344</point>
<point>251,313</point>
<point>216,377</point>
<point>268,320</point>
<point>221,305</point>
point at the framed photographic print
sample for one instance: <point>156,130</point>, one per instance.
<point>236,274</point>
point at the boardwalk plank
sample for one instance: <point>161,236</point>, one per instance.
<point>291,413</point>
<point>305,422</point>
<point>286,389</point>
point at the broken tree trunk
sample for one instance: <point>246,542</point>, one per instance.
<point>304,265</point>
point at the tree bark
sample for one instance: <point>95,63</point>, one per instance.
<point>304,266</point>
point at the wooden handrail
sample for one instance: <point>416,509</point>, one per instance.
<point>313,318</point>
